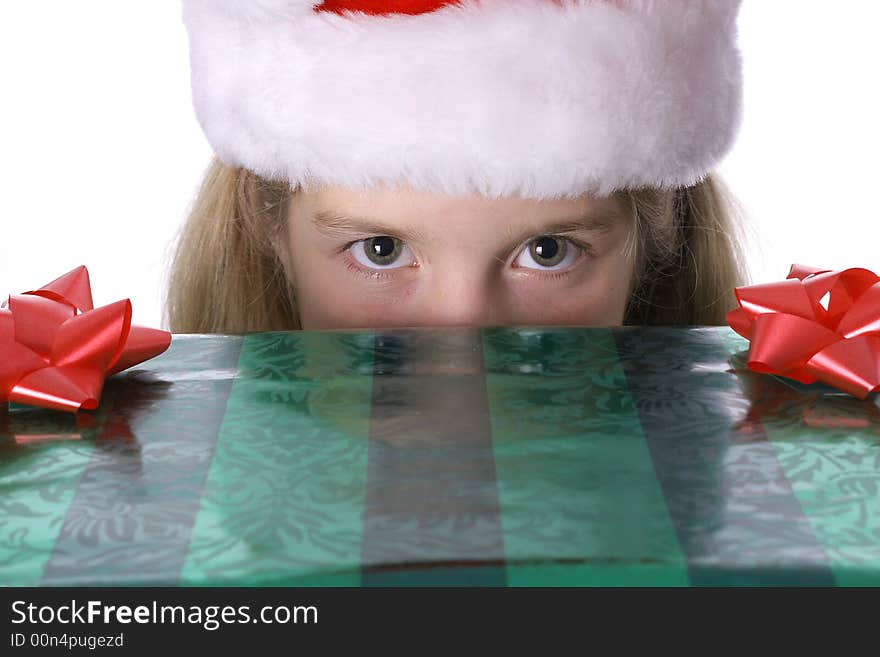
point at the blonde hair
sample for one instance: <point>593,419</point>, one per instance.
<point>689,254</point>
<point>230,270</point>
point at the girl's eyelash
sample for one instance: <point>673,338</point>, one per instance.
<point>375,274</point>
<point>367,273</point>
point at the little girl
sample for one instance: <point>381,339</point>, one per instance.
<point>460,162</point>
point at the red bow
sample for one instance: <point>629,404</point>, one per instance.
<point>56,350</point>
<point>817,325</point>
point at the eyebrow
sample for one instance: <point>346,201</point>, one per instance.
<point>593,222</point>
<point>335,224</point>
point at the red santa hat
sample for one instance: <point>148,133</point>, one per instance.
<point>537,98</point>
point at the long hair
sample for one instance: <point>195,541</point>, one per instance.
<point>230,268</point>
<point>226,275</point>
<point>689,254</point>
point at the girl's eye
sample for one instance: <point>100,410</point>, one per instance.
<point>380,252</point>
<point>547,252</point>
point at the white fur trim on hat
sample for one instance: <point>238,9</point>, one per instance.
<point>538,98</point>
<point>265,10</point>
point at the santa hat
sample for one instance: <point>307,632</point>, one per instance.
<point>538,98</point>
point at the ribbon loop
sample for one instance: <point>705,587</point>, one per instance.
<point>37,319</point>
<point>74,289</point>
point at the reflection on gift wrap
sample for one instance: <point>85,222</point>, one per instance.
<point>821,406</point>
<point>501,456</point>
<point>23,432</point>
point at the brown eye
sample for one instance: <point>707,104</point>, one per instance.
<point>382,250</point>
<point>547,250</point>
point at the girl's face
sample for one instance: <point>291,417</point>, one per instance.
<point>396,258</point>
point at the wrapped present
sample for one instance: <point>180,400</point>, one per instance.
<point>488,457</point>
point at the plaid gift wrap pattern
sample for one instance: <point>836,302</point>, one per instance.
<point>449,457</point>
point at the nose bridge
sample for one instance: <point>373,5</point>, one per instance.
<point>458,297</point>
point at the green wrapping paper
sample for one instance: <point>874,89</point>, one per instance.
<point>445,457</point>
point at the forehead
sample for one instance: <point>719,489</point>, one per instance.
<point>431,214</point>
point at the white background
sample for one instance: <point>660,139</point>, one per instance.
<point>100,152</point>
